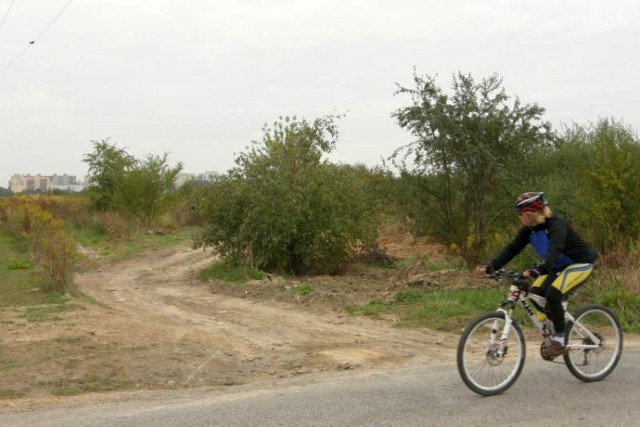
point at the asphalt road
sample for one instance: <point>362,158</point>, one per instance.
<point>546,394</point>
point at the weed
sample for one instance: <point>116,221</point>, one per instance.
<point>226,273</point>
<point>303,289</point>
<point>17,264</point>
<point>373,308</point>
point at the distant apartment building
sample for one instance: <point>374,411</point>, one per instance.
<point>184,177</point>
<point>207,176</point>
<point>21,183</point>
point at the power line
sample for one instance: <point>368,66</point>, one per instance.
<point>7,13</point>
<point>52,21</point>
<point>32,42</point>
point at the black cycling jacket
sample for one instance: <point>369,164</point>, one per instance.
<point>555,241</point>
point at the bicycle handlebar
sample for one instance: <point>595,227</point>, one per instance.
<point>516,278</point>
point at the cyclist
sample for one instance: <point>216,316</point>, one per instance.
<point>567,261</point>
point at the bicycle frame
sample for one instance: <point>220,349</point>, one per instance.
<point>544,327</point>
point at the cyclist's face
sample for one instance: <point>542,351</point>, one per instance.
<point>528,218</point>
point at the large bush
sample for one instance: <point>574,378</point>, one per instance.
<point>284,208</point>
<point>594,178</point>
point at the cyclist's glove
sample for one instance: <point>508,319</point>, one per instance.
<point>533,273</point>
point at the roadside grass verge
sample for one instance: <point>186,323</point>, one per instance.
<point>87,384</point>
<point>441,309</point>
<point>451,309</point>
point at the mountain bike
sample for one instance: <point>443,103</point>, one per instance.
<point>491,351</point>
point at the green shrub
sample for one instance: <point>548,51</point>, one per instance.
<point>284,209</point>
<point>625,304</point>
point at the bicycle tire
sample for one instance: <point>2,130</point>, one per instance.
<point>594,364</point>
<point>480,368</point>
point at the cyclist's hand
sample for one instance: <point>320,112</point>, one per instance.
<point>531,273</point>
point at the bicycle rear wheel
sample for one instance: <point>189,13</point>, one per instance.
<point>481,367</point>
<point>593,364</point>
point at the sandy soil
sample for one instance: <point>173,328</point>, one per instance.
<point>153,325</point>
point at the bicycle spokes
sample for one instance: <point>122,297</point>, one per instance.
<point>594,341</point>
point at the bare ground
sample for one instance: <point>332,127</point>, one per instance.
<point>151,324</point>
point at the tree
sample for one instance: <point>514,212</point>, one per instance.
<point>107,165</point>
<point>146,190</point>
<point>286,209</point>
<point>469,146</point>
<point>120,182</point>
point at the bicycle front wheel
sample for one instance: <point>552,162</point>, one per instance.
<point>485,365</point>
<point>588,360</point>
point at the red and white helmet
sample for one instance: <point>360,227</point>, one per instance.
<point>530,202</point>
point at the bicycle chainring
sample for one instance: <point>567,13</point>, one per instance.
<point>544,354</point>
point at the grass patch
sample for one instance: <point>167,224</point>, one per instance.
<point>430,265</point>
<point>116,249</point>
<point>17,264</point>
<point>624,303</point>
<point>451,310</point>
<point>374,308</point>
<point>7,394</point>
<point>49,312</point>
<point>303,289</point>
<point>444,310</point>
<point>19,283</point>
<point>227,273</point>
<point>89,384</point>
<point>6,363</point>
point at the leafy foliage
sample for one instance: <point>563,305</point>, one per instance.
<point>593,178</point>
<point>285,209</point>
<point>472,148</point>
<point>146,189</point>
<point>120,182</point>
<point>107,165</point>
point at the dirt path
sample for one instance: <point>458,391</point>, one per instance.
<point>154,326</point>
<point>157,299</point>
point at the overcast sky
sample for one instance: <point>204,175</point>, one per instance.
<point>198,79</point>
